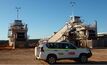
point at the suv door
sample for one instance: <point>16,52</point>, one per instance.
<point>61,51</point>
<point>55,48</point>
<point>70,50</point>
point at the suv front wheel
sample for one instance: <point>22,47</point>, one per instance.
<point>51,59</point>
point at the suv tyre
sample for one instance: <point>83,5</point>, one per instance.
<point>51,59</point>
<point>83,58</point>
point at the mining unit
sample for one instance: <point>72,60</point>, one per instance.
<point>76,31</point>
<point>17,34</point>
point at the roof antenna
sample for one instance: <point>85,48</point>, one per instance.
<point>17,9</point>
<point>72,5</point>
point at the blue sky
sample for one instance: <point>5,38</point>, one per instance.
<point>47,16</point>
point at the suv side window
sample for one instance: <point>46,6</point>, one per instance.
<point>60,46</point>
<point>66,46</point>
<point>51,45</point>
<point>71,46</point>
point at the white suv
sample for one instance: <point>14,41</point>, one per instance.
<point>53,51</point>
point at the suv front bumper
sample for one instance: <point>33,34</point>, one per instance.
<point>41,56</point>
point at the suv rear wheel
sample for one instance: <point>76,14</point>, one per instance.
<point>51,59</point>
<point>83,58</point>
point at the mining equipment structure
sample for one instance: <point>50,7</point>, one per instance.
<point>76,31</point>
<point>17,34</point>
